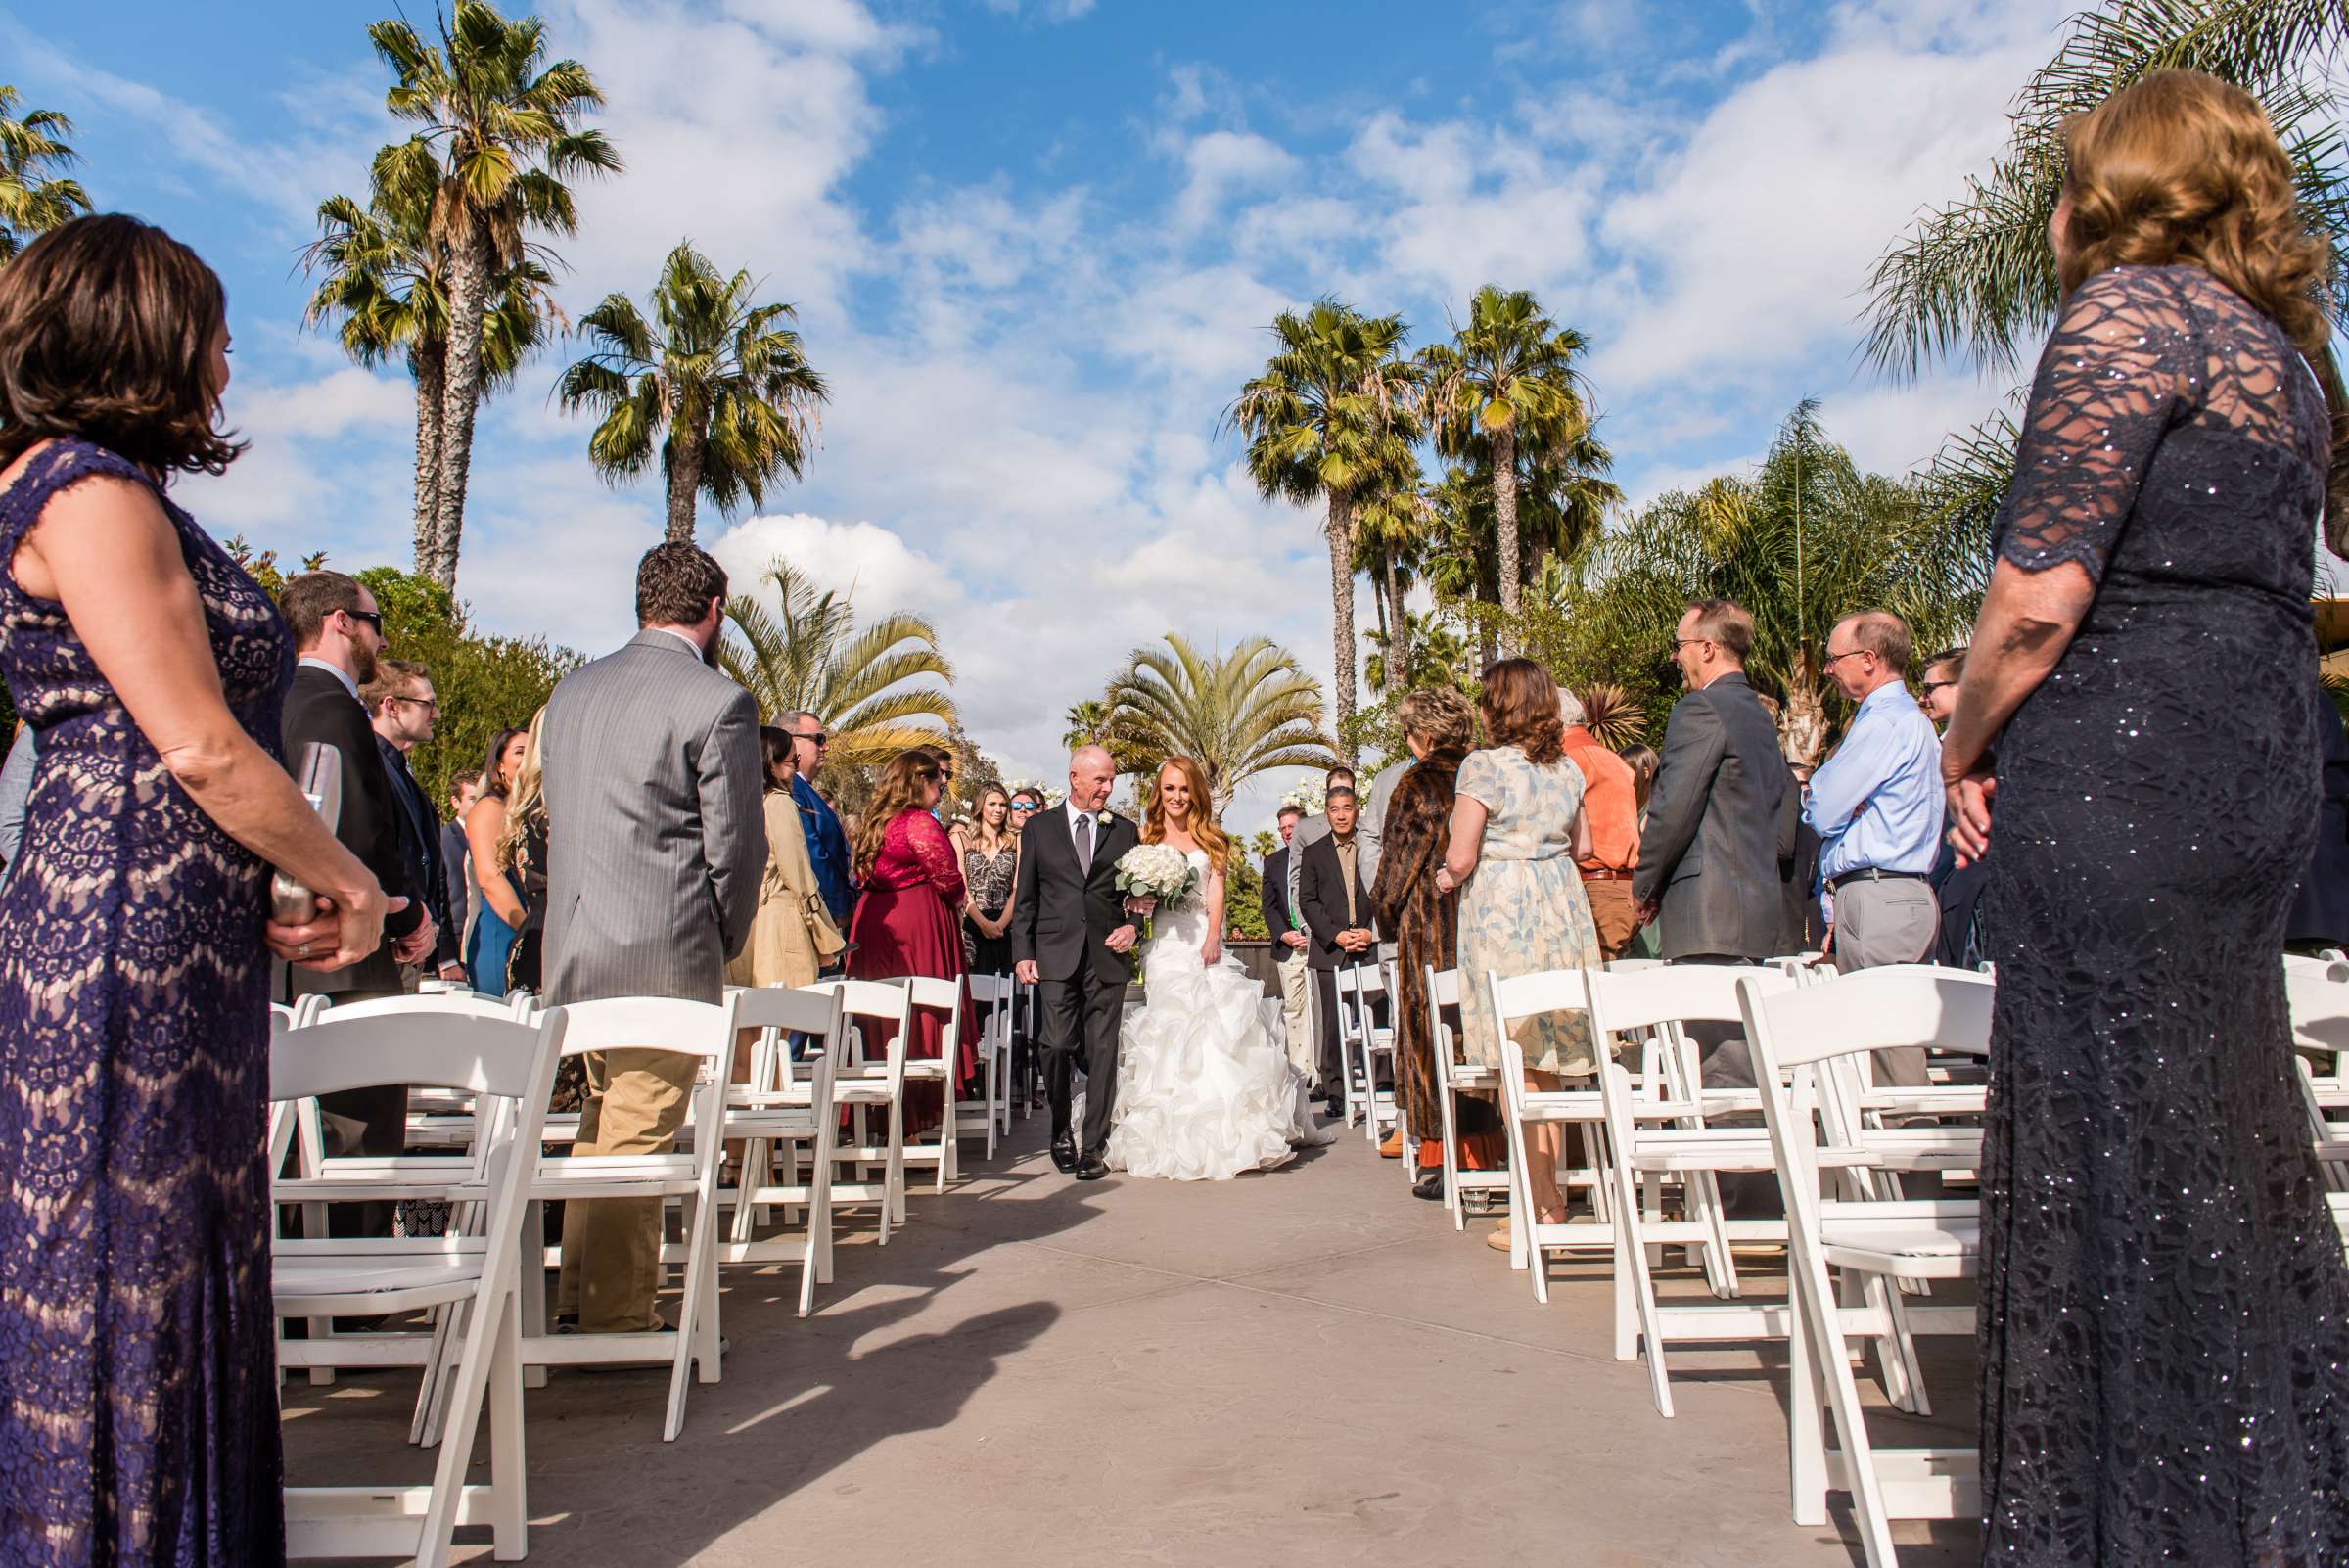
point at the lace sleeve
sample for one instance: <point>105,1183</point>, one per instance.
<point>2112,381</point>
<point>935,853</point>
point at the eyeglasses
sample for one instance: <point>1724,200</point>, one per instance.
<point>1022,806</point>
<point>1677,643</point>
<point>371,617</point>
<point>1932,686</point>
<point>432,703</point>
<point>1831,660</point>
<point>816,737</point>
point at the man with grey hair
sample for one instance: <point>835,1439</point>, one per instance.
<point>1876,806</point>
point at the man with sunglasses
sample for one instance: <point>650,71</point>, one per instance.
<point>405,708</point>
<point>827,841</point>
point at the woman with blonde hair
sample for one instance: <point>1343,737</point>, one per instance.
<point>912,886</point>
<point>500,920</point>
<point>1205,1088</point>
<point>521,856</point>
<point>991,869</point>
<point>2164,1308</point>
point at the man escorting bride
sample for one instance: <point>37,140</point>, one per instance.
<point>1205,1090</point>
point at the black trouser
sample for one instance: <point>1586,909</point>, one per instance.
<point>1726,1062</point>
<point>1333,1081</point>
<point>1081,1013</point>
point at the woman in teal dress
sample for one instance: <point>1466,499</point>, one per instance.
<point>502,912</point>
<point>1517,827</point>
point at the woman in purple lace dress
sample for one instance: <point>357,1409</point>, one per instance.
<point>2165,1311</point>
<point>138,1408</point>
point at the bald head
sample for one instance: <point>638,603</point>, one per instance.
<point>1090,774</point>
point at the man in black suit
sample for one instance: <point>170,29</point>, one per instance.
<point>1286,928</point>
<point>1071,934</point>
<point>1336,905</point>
<point>404,709</point>
<point>464,788</point>
<point>338,634</point>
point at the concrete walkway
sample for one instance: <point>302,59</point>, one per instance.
<point>1300,1366</point>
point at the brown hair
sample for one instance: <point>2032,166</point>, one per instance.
<point>2180,166</point>
<point>776,749</point>
<point>1520,709</point>
<point>1646,765</point>
<point>1726,624</point>
<point>1441,714</point>
<point>393,678</point>
<point>899,789</point>
<point>1201,823</point>
<point>981,835</point>
<point>310,598</point>
<point>674,584</point>
<point>492,785</point>
<point>105,333</point>
<point>1954,658</point>
<point>462,777</point>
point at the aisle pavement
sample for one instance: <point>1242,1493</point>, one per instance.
<point>1305,1365</point>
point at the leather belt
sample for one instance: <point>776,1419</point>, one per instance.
<point>1870,873</point>
<point>1603,874</point>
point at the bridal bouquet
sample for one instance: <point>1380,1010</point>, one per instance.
<point>1158,872</point>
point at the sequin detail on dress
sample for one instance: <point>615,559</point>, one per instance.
<point>2165,1315</point>
<point>138,1402</point>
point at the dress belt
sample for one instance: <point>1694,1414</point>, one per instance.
<point>1870,873</point>
<point>1603,874</point>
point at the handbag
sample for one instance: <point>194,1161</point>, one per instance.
<point>829,942</point>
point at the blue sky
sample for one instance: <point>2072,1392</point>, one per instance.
<point>1035,243</point>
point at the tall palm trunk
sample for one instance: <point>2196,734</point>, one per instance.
<point>1803,719</point>
<point>1398,635</point>
<point>1341,609</point>
<point>684,477</point>
<point>430,365</point>
<point>468,304</point>
<point>1504,521</point>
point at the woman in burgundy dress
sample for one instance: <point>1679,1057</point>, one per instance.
<point>905,923</point>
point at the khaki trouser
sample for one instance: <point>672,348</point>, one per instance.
<point>1296,999</point>
<point>1612,914</point>
<point>1880,922</point>
<point>612,1246</point>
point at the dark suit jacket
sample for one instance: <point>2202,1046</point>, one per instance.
<point>1321,900</point>
<point>1806,924</point>
<point>1720,825</point>
<point>459,897</point>
<point>420,847</point>
<point>319,708</point>
<point>2320,908</point>
<point>1277,898</point>
<point>1062,918</point>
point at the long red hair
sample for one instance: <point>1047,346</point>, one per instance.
<point>1201,823</point>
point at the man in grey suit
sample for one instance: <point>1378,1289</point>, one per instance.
<point>656,844</point>
<point>1723,812</point>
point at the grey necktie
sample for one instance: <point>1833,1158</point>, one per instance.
<point>1084,844</point>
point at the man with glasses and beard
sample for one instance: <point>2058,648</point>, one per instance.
<point>403,708</point>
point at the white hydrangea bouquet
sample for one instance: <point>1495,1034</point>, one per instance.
<point>1159,872</point>
<point>1052,798</point>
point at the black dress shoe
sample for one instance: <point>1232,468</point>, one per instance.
<point>1063,1155</point>
<point>1092,1168</point>
<point>1429,1187</point>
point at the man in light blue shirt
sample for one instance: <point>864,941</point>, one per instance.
<point>1877,807</point>
<point>16,792</point>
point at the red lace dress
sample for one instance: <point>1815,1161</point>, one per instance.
<point>907,923</point>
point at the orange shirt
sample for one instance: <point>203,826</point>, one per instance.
<point>1611,797</point>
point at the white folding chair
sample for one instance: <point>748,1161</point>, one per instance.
<point>511,1063</point>
<point>704,1032</point>
<point>943,999</point>
<point>779,1105</point>
<point>866,1084</point>
<point>1808,1046</point>
<point>1454,1078</point>
<point>1582,1111</point>
<point>990,1008</point>
<point>1366,1041</point>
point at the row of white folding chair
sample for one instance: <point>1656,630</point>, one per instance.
<point>992,1011</point>
<point>1363,1043</point>
<point>869,1085</point>
<point>1580,1113</point>
<point>781,1107</point>
<point>1809,1049</point>
<point>1455,1076</point>
<point>943,999</point>
<point>509,1063</point>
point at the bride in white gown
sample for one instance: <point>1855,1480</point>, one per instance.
<point>1205,1088</point>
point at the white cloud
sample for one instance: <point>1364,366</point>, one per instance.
<point>860,561</point>
<point>1222,163</point>
<point>1050,11</point>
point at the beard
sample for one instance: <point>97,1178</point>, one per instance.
<point>362,663</point>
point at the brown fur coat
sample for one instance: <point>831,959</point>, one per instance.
<point>1422,923</point>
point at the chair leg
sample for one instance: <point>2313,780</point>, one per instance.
<point>1448,1106</point>
<point>689,1316</point>
<point>1805,1416</point>
<point>892,1182</point>
<point>466,1398</point>
<point>510,1523</point>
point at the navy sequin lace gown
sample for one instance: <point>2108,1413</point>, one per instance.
<point>138,1407</point>
<point>2165,1311</point>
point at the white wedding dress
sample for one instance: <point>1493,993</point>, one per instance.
<point>1205,1088</point>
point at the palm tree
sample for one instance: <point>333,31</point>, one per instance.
<point>511,126</point>
<point>1431,652</point>
<point>33,199</point>
<point>719,377</point>
<point>1328,414</point>
<point>1977,277</point>
<point>1392,528</point>
<point>1508,380</point>
<point>1089,723</point>
<point>383,278</point>
<point>809,656</point>
<point>1802,541</point>
<point>1237,714</point>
